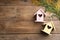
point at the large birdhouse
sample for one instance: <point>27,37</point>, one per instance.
<point>39,15</point>
<point>48,27</point>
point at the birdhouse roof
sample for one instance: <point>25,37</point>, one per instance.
<point>40,11</point>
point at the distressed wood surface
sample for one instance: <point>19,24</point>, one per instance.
<point>15,2</point>
<point>17,22</point>
<point>30,37</point>
<point>20,19</point>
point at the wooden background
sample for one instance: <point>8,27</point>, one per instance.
<point>17,22</point>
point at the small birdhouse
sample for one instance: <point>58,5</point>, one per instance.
<point>39,15</point>
<point>48,27</point>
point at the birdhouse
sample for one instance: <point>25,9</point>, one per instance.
<point>48,27</point>
<point>39,15</point>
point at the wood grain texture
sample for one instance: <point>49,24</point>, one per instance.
<point>15,2</point>
<point>30,37</point>
<point>20,19</point>
<point>26,27</point>
<point>20,12</point>
<point>17,22</point>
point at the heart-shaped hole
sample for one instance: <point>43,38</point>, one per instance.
<point>39,15</point>
<point>49,27</point>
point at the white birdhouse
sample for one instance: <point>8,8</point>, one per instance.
<point>39,15</point>
<point>48,27</point>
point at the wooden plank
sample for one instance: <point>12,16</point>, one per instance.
<point>30,37</point>
<point>26,27</point>
<point>30,27</point>
<point>15,2</point>
<point>21,12</point>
